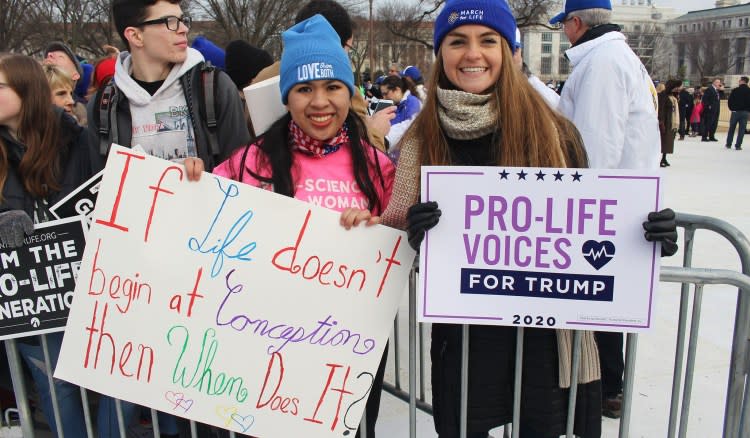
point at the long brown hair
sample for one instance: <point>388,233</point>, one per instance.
<point>38,126</point>
<point>529,133</point>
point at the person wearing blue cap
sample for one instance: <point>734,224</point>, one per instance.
<point>321,137</point>
<point>611,99</point>
<point>481,111</point>
<point>378,124</point>
<point>413,75</point>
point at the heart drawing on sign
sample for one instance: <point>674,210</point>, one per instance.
<point>225,413</point>
<point>178,400</point>
<point>598,254</point>
<point>245,422</point>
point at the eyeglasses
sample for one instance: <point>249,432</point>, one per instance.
<point>561,24</point>
<point>172,22</point>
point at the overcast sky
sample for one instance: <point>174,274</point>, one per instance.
<point>688,5</point>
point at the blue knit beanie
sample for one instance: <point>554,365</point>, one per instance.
<point>413,73</point>
<point>495,14</point>
<point>210,51</point>
<point>312,51</point>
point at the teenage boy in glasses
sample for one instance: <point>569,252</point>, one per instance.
<point>158,99</point>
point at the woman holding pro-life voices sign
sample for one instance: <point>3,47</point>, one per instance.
<point>481,111</point>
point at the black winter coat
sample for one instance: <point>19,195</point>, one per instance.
<point>686,103</point>
<point>739,98</point>
<point>492,365</point>
<point>78,162</point>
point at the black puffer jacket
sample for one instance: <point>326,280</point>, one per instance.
<point>78,162</point>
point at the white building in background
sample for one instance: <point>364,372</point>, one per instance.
<point>642,21</point>
<point>712,42</point>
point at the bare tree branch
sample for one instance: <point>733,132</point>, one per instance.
<point>16,23</point>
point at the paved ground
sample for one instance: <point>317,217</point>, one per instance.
<point>704,179</point>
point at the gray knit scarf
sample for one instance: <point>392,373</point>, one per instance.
<point>466,116</point>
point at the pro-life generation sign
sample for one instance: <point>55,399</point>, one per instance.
<point>37,280</point>
<point>560,248</point>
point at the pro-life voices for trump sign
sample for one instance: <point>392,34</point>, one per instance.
<point>560,248</point>
<point>230,305</point>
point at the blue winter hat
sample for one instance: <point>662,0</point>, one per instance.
<point>312,51</point>
<point>210,51</point>
<point>495,14</point>
<point>413,73</point>
<point>577,5</point>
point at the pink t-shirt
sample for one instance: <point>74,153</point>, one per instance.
<point>326,181</point>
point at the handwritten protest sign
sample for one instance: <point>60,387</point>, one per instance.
<point>37,279</point>
<point>230,305</point>
<point>560,248</point>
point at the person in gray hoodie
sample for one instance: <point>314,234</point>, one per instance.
<point>158,99</point>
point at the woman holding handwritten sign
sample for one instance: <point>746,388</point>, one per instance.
<point>318,152</point>
<point>44,155</point>
<point>482,111</point>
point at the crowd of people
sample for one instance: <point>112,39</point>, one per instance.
<point>478,106</point>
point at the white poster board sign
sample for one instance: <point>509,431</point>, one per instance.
<point>230,305</point>
<point>560,248</point>
<point>263,100</point>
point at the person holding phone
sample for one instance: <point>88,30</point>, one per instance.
<point>407,107</point>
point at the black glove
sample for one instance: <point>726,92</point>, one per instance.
<point>420,218</point>
<point>661,227</point>
<point>14,226</point>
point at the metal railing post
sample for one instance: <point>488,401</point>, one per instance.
<point>737,366</point>
<point>690,367</point>
<point>517,382</point>
<point>681,329</point>
<point>573,393</point>
<point>413,354</point>
<point>52,388</point>
<point>464,380</point>
<point>19,388</point>
<point>631,350</point>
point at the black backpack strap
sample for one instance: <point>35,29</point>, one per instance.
<point>107,118</point>
<point>208,82</point>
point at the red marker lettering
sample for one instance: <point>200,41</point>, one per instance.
<point>113,217</point>
<point>157,189</point>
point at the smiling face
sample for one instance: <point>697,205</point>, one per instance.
<point>158,44</point>
<point>319,107</point>
<point>472,57</point>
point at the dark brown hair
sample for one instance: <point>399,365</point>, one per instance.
<point>38,126</point>
<point>530,133</point>
<point>128,13</point>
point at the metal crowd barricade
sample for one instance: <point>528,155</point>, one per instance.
<point>737,407</point>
